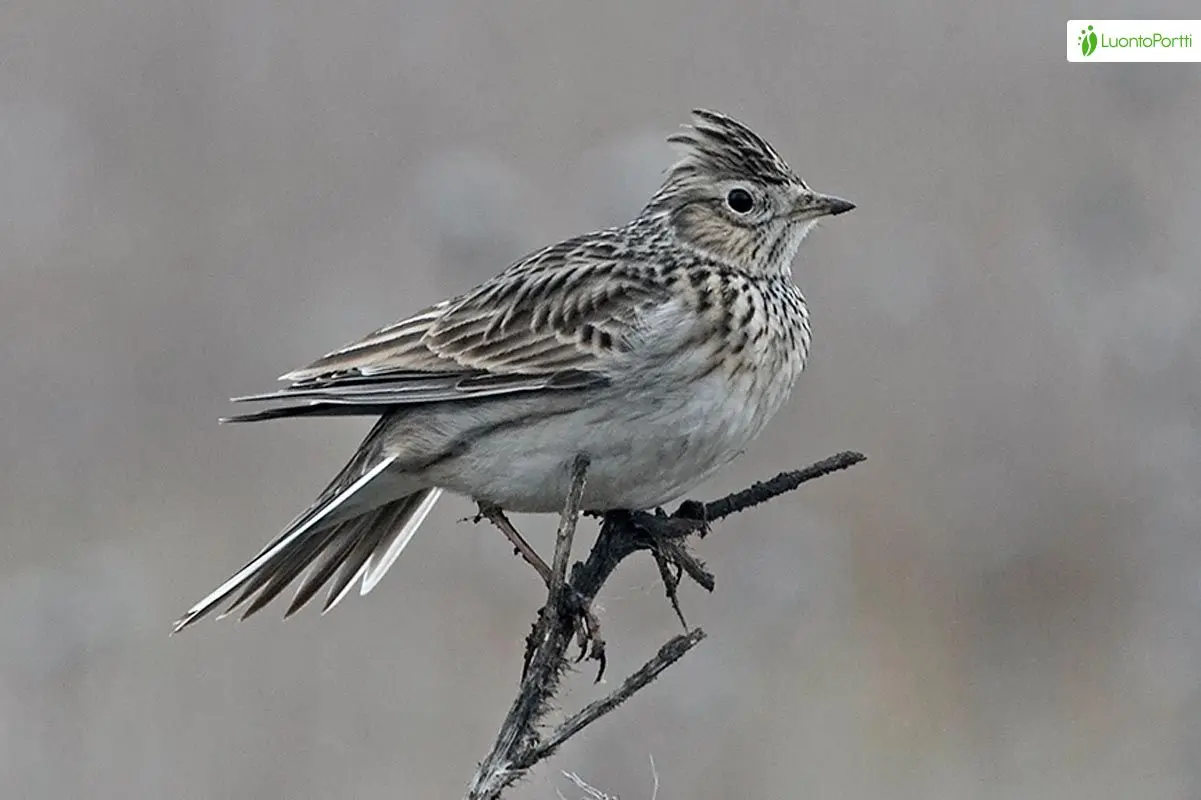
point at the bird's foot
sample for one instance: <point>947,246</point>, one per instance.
<point>588,634</point>
<point>586,631</point>
<point>693,512</point>
<point>663,535</point>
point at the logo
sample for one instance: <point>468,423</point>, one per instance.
<point>1087,40</point>
<point>1143,40</point>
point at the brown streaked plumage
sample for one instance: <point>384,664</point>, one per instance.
<point>659,348</point>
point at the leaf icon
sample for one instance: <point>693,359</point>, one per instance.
<point>1088,44</point>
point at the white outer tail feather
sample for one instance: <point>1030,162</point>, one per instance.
<point>228,587</point>
<point>374,568</point>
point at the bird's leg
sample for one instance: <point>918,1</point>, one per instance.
<point>588,626</point>
<point>523,548</point>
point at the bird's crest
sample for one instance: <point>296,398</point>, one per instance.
<point>718,147</point>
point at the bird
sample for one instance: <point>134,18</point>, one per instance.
<point>658,350</point>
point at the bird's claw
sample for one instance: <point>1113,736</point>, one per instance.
<point>694,511</point>
<point>671,582</point>
<point>588,635</point>
<point>663,537</point>
<point>586,630</point>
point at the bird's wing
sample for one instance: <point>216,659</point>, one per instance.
<point>555,319</point>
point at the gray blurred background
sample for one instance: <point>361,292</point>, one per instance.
<point>1005,601</point>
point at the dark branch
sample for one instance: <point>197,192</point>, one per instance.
<point>781,484</point>
<point>566,534</point>
<point>668,654</point>
<point>567,614</point>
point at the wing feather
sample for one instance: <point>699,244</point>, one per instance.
<point>556,319</point>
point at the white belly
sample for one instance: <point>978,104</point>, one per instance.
<point>645,448</point>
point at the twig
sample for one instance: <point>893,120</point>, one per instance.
<point>596,794</point>
<point>781,484</point>
<point>592,792</point>
<point>668,654</point>
<point>520,745</point>
<point>566,533</point>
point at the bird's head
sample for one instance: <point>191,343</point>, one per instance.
<point>734,199</point>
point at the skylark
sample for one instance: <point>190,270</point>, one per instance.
<point>659,349</point>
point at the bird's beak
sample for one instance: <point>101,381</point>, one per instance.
<point>830,206</point>
<point>811,205</point>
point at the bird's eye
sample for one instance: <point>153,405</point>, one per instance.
<point>740,201</point>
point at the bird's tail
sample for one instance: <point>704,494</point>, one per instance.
<point>353,531</point>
